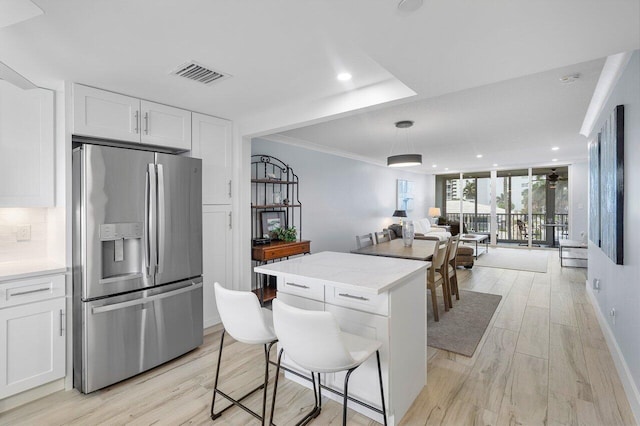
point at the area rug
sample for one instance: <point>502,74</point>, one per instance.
<point>461,328</point>
<point>512,258</point>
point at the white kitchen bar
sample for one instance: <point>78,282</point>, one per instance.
<point>375,297</point>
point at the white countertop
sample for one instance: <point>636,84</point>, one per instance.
<point>372,274</point>
<point>17,270</point>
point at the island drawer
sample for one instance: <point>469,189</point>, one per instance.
<point>14,293</point>
<point>304,287</point>
<point>366,302</point>
<point>301,302</point>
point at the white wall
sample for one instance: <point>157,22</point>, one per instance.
<point>12,250</point>
<point>620,284</point>
<point>578,194</point>
<point>342,197</point>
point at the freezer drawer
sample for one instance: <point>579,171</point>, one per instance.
<point>126,335</point>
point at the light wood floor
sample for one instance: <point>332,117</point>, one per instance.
<point>543,360</point>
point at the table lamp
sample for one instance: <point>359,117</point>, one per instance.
<point>400,214</point>
<point>434,212</point>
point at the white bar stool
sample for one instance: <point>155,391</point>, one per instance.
<point>244,319</point>
<point>313,340</point>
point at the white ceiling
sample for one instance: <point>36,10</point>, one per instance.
<point>512,123</point>
<point>284,55</point>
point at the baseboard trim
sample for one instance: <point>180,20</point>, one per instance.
<point>31,395</point>
<point>630,388</point>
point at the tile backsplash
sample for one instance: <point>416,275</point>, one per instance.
<point>13,250</point>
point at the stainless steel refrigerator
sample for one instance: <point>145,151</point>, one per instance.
<point>137,261</point>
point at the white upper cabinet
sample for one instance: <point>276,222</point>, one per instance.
<point>26,147</point>
<point>164,125</point>
<point>212,142</point>
<point>105,114</point>
<point>109,115</point>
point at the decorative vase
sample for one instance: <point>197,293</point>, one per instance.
<point>407,233</point>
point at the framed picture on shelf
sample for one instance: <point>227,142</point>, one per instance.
<point>272,220</point>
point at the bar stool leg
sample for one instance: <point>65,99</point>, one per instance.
<point>345,397</point>
<point>267,349</point>
<point>275,387</point>
<point>319,397</point>
<point>215,384</point>
<point>384,409</point>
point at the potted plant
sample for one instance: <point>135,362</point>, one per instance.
<point>286,234</point>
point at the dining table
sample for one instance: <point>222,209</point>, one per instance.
<point>419,250</point>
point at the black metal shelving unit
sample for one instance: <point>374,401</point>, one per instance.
<point>269,177</point>
<point>274,188</point>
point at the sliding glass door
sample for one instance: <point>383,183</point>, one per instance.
<point>536,209</point>
<point>477,202</point>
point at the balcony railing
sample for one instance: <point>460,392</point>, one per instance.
<point>513,227</point>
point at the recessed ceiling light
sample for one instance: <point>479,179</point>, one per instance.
<point>495,165</point>
<point>555,148</point>
<point>434,165</point>
<point>479,156</point>
<point>555,159</point>
<point>344,76</point>
<point>446,168</point>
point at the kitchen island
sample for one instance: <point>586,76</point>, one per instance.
<point>375,297</point>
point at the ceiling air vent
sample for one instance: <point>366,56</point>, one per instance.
<point>198,72</point>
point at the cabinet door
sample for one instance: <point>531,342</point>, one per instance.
<point>216,252</point>
<point>26,147</point>
<point>166,126</point>
<point>212,140</point>
<point>363,383</point>
<point>105,114</point>
<point>33,340</point>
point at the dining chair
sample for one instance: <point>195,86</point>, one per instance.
<point>382,236</point>
<point>450,267</point>
<point>435,278</point>
<point>365,240</point>
<point>244,319</point>
<point>313,340</point>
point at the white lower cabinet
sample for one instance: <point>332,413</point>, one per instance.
<point>364,383</point>
<point>352,318</point>
<point>33,338</point>
<point>367,300</point>
<point>216,255</point>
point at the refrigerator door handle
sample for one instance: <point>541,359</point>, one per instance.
<point>151,219</point>
<point>144,300</point>
<point>161,219</point>
<point>147,249</point>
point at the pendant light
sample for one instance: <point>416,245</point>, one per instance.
<point>404,160</point>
